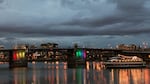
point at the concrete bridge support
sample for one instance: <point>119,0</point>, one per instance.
<point>17,58</point>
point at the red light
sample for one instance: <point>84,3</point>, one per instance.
<point>15,55</point>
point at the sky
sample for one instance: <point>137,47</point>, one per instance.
<point>89,23</point>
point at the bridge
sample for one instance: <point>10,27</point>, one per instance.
<point>20,57</point>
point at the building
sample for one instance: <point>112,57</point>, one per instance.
<point>20,46</point>
<point>1,47</point>
<point>127,47</point>
<point>49,45</point>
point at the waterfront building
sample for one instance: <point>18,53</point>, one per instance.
<point>127,47</point>
<point>49,54</point>
<point>1,47</point>
<point>20,46</point>
<point>49,45</point>
<point>2,56</point>
<point>32,46</point>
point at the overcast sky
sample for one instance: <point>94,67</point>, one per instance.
<point>90,23</point>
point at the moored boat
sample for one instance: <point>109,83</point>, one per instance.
<point>125,62</point>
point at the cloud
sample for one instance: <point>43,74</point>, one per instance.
<point>130,17</point>
<point>129,6</point>
<point>73,18</point>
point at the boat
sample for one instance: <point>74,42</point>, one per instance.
<point>122,61</point>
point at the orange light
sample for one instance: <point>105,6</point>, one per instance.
<point>20,55</point>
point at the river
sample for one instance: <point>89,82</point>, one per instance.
<point>58,73</point>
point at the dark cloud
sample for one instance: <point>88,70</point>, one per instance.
<point>131,6</point>
<point>86,20</point>
<point>131,18</point>
<point>67,18</point>
<point>1,1</point>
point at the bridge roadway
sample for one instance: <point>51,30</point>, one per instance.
<point>101,49</point>
<point>55,49</point>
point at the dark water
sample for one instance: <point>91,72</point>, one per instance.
<point>58,73</point>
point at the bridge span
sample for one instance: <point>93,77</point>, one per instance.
<point>64,53</point>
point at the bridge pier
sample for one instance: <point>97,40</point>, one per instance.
<point>75,61</point>
<point>17,58</point>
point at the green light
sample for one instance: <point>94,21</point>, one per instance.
<point>78,53</point>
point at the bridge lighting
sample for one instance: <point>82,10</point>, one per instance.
<point>17,58</point>
<point>23,54</point>
<point>14,55</point>
<point>81,54</point>
<point>84,54</point>
<point>18,55</point>
<point>78,53</point>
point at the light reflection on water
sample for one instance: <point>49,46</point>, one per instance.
<point>58,73</point>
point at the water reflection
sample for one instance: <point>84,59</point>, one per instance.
<point>129,76</point>
<point>19,76</point>
<point>58,73</point>
<point>51,73</point>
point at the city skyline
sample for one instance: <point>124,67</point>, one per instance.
<point>93,23</point>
